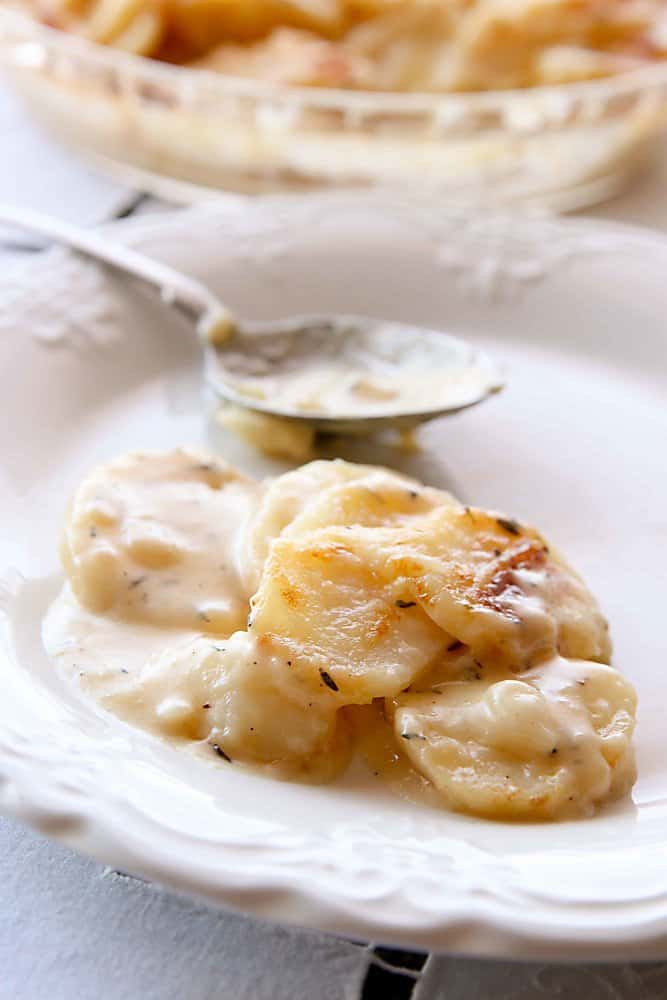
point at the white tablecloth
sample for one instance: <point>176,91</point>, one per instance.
<point>71,930</point>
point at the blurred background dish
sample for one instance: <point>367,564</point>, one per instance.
<point>187,132</point>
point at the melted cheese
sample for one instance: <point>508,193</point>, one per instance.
<point>265,623</point>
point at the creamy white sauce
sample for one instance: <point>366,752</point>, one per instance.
<point>229,697</point>
<point>337,390</point>
<point>103,655</point>
<point>363,369</point>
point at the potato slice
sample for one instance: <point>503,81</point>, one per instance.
<point>303,496</point>
<point>347,628</point>
<point>283,498</point>
<point>377,498</point>
<point>494,585</point>
<point>151,538</point>
<point>554,744</point>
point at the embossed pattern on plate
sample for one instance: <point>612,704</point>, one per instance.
<point>575,310</point>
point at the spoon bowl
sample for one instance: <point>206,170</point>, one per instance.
<point>349,374</point>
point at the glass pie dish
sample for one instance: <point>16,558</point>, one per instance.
<point>189,133</point>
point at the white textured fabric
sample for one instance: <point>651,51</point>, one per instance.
<point>465,979</point>
<point>72,929</point>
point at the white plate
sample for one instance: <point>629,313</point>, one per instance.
<point>92,366</point>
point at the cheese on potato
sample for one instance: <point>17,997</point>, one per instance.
<point>493,584</point>
<point>151,538</point>
<point>554,742</point>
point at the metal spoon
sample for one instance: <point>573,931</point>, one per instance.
<point>339,373</point>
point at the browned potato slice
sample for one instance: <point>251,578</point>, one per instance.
<point>343,625</point>
<point>494,585</point>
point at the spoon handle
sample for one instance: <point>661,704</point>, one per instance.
<point>175,288</point>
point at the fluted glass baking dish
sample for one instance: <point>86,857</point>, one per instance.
<point>188,133</point>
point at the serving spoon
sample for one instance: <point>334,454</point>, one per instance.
<point>339,373</point>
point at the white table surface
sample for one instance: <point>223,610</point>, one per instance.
<point>72,930</point>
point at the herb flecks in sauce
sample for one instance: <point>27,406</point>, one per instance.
<point>220,752</point>
<point>328,680</point>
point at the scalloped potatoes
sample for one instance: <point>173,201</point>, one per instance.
<point>250,619</point>
<point>386,45</point>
